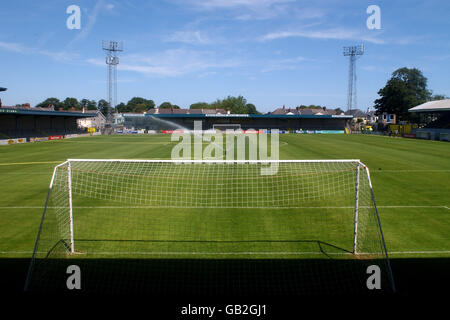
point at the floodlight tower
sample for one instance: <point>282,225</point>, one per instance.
<point>353,53</point>
<point>112,60</point>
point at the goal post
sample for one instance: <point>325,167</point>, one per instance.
<point>310,212</point>
<point>355,222</point>
<point>69,192</point>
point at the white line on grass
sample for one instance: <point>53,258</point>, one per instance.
<point>419,252</point>
<point>22,163</point>
<point>239,253</point>
<point>192,207</point>
<point>264,253</point>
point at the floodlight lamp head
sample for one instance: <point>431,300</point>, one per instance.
<point>353,51</point>
<point>112,60</point>
<point>112,46</point>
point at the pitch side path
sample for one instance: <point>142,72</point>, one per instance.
<point>410,179</point>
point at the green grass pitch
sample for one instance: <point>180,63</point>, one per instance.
<point>410,179</point>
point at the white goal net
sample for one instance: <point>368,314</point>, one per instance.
<point>313,219</point>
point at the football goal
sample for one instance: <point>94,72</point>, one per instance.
<point>226,126</point>
<point>303,226</point>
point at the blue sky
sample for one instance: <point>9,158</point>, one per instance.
<point>273,52</point>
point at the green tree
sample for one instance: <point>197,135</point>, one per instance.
<point>165,105</point>
<point>311,106</point>
<point>406,89</point>
<point>70,103</point>
<point>140,108</point>
<point>51,101</point>
<point>251,109</point>
<point>122,108</point>
<point>236,105</point>
<point>136,104</point>
<point>438,97</point>
<point>88,104</point>
<point>103,106</point>
<point>200,105</point>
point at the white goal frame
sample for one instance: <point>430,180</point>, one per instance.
<point>358,167</point>
<point>56,238</point>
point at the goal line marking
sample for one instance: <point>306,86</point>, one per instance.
<point>206,207</point>
<point>22,163</point>
<point>239,253</point>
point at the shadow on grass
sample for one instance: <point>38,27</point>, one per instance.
<point>285,276</point>
<point>225,277</point>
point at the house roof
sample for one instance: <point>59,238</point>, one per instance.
<point>356,113</point>
<point>285,111</point>
<point>432,106</point>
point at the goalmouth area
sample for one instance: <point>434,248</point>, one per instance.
<point>202,209</point>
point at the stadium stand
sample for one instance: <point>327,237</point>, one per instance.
<point>442,122</point>
<point>438,129</point>
<point>27,122</point>
<point>292,119</point>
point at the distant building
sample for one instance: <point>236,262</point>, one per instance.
<point>372,117</point>
<point>357,114</point>
<point>387,118</point>
<point>97,121</point>
<point>303,111</point>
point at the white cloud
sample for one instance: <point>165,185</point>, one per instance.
<point>172,63</point>
<point>220,4</point>
<point>59,55</point>
<point>12,46</point>
<point>191,37</point>
<point>242,9</point>
<point>55,55</point>
<point>207,74</point>
<point>336,34</point>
